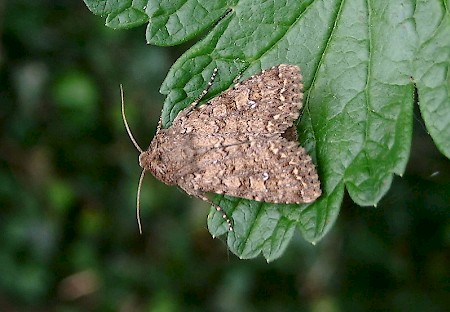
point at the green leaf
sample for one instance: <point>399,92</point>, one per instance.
<point>120,14</point>
<point>431,69</point>
<point>174,22</point>
<point>258,227</point>
<point>361,61</point>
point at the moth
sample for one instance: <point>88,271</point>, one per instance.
<point>242,143</point>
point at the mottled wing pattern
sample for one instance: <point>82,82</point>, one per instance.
<point>268,102</point>
<point>269,169</point>
<point>240,143</point>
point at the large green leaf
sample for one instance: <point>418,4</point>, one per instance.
<point>361,61</point>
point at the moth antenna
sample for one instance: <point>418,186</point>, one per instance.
<point>138,200</point>
<point>126,123</point>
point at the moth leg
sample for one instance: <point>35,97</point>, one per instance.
<point>158,127</point>
<point>219,209</point>
<point>204,92</point>
<point>238,77</point>
<point>236,80</point>
<point>194,104</point>
<point>201,196</point>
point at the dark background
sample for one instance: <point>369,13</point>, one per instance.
<point>68,177</point>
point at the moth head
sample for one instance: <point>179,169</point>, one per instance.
<point>145,160</point>
<point>151,160</point>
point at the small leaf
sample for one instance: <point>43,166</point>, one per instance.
<point>175,22</point>
<point>120,14</point>
<point>257,227</point>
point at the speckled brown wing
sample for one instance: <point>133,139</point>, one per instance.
<point>239,143</point>
<point>266,103</point>
<point>269,169</point>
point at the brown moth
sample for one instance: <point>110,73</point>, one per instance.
<point>242,143</point>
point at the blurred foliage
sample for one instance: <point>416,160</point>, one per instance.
<point>68,178</point>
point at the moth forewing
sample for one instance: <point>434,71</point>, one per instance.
<point>240,143</point>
